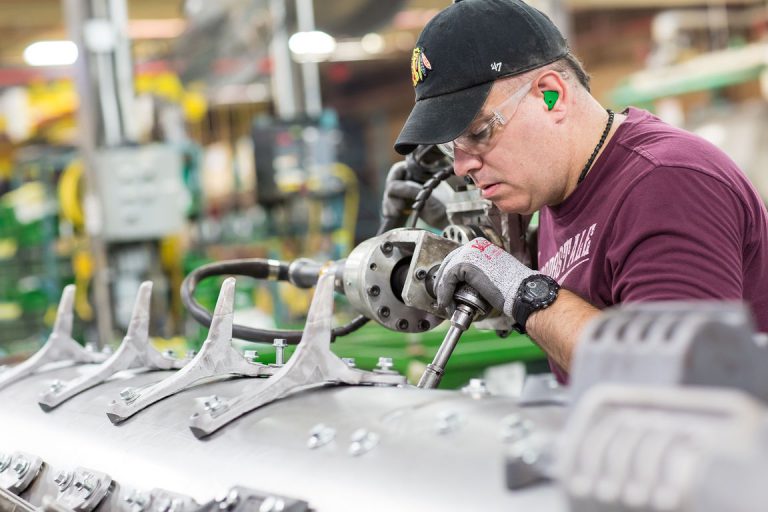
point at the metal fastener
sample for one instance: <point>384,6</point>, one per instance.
<point>171,354</point>
<point>447,422</point>
<point>21,466</point>
<point>91,346</point>
<point>56,386</point>
<point>476,388</point>
<point>402,324</point>
<point>272,504</point>
<point>320,435</point>
<point>128,394</point>
<point>280,344</point>
<point>384,312</point>
<point>190,355</point>
<point>229,501</point>
<point>385,364</point>
<point>137,501</point>
<point>5,461</point>
<point>350,361</point>
<point>374,291</point>
<point>63,479</point>
<point>251,355</point>
<point>424,325</point>
<point>86,484</point>
<point>421,274</point>
<point>213,403</point>
<point>386,247</point>
<point>363,441</point>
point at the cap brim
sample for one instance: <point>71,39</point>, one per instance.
<point>441,118</point>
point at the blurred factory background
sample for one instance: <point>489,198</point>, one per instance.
<point>140,139</point>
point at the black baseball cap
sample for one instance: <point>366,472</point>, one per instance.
<point>461,52</point>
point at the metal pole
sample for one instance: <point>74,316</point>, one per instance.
<point>77,12</point>
<point>283,93</point>
<point>309,70</point>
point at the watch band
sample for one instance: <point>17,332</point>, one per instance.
<point>525,305</point>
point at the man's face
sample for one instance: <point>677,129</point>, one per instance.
<point>521,172</point>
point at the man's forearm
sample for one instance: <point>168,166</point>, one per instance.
<point>558,328</point>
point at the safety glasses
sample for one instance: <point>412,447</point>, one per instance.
<point>482,137</point>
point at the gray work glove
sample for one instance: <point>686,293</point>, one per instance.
<point>494,273</point>
<point>399,195</point>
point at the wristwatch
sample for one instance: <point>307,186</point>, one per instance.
<point>536,292</point>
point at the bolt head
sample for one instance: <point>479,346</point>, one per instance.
<point>402,324</point>
<point>362,441</point>
<point>128,394</point>
<point>386,247</point>
<point>280,343</point>
<point>20,466</point>
<point>350,361</point>
<point>424,325</point>
<point>272,504</point>
<point>385,363</point>
<point>5,461</point>
<point>374,291</point>
<point>384,312</point>
<point>63,479</point>
<point>421,274</point>
<point>250,355</point>
<point>213,403</point>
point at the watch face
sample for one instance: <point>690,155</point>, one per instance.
<point>537,289</point>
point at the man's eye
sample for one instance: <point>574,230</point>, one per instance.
<point>483,134</point>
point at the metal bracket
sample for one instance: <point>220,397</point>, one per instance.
<point>18,470</point>
<point>243,499</point>
<point>312,364</point>
<point>134,352</point>
<point>217,358</point>
<point>81,489</point>
<point>59,347</point>
<point>156,500</point>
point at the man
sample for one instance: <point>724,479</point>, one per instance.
<point>631,209</point>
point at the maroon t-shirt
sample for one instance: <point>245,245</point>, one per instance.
<point>662,215</point>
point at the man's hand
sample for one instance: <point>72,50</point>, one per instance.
<point>399,195</point>
<point>494,273</point>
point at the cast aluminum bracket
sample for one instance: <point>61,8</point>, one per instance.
<point>216,359</point>
<point>59,347</point>
<point>18,470</point>
<point>134,352</point>
<point>81,489</point>
<point>312,365</point>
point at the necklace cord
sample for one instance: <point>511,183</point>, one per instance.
<point>604,136</point>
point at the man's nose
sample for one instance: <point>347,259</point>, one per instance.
<point>464,163</point>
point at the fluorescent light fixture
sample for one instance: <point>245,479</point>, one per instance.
<point>51,53</point>
<point>311,46</point>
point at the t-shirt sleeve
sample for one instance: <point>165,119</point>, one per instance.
<point>677,235</point>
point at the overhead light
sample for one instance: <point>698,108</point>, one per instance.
<point>51,53</point>
<point>311,46</point>
<point>372,43</point>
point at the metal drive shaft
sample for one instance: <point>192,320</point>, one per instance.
<point>470,305</point>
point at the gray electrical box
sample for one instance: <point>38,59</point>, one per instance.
<point>141,193</point>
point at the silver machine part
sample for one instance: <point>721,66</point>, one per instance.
<point>216,360</point>
<point>368,278</point>
<point>312,364</point>
<point>134,352</point>
<point>672,445</point>
<point>59,349</point>
<point>470,306</point>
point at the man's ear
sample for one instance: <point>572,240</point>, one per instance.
<point>553,91</point>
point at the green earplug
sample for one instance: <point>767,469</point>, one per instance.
<point>550,98</point>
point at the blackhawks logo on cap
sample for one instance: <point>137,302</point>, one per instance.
<point>419,65</point>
